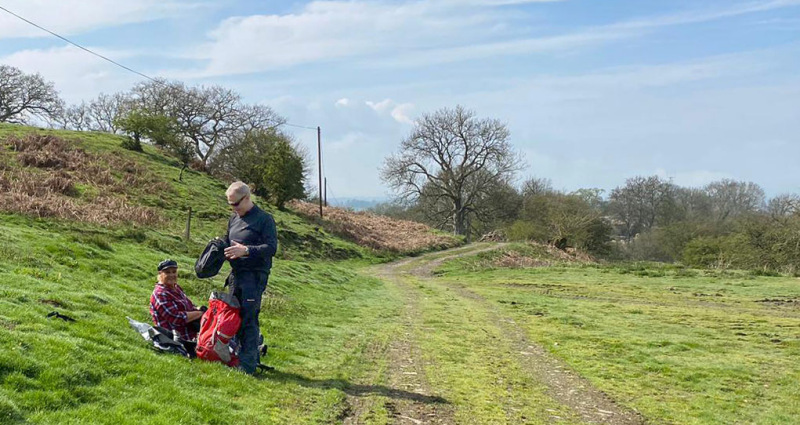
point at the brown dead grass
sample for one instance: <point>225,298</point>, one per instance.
<point>547,255</point>
<point>375,231</point>
<point>45,185</point>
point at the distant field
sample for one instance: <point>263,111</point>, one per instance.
<point>679,346</point>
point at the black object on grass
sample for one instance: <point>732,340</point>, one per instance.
<point>60,316</point>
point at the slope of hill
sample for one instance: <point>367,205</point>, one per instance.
<point>87,177</point>
<point>378,232</point>
<point>84,224</point>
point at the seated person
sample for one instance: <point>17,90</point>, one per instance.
<point>170,307</point>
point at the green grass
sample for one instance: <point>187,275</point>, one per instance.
<point>205,195</point>
<point>474,367</point>
<point>320,318</point>
<point>679,345</point>
<point>689,347</point>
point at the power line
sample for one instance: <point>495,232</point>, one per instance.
<point>87,50</point>
<point>300,126</point>
<point>333,198</point>
<point>79,46</point>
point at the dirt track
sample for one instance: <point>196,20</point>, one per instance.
<point>407,368</point>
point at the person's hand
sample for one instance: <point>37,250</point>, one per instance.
<point>191,316</point>
<point>236,250</point>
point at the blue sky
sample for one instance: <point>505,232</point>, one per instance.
<point>593,92</point>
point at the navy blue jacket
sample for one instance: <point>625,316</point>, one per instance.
<point>255,230</point>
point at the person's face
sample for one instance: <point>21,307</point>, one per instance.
<point>238,203</point>
<point>168,276</point>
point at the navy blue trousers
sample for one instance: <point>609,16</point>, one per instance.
<point>248,288</point>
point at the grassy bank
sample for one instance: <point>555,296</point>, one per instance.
<point>319,317</point>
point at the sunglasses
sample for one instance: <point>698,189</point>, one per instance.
<point>236,204</point>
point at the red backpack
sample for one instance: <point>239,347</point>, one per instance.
<point>218,326</point>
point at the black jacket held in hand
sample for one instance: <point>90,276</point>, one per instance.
<point>211,260</point>
<point>256,231</point>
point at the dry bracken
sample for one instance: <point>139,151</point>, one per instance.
<point>45,185</point>
<point>377,232</point>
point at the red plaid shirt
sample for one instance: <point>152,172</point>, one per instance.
<point>168,308</point>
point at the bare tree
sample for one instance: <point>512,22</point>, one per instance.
<point>452,158</point>
<point>537,186</point>
<point>211,117</point>
<point>693,203</point>
<point>25,96</point>
<point>641,203</point>
<point>258,118</point>
<point>782,207</point>
<point>105,110</point>
<point>75,117</point>
<point>730,198</point>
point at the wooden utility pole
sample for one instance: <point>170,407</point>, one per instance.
<point>319,160</point>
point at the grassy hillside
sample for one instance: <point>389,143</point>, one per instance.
<point>99,169</point>
<point>101,268</point>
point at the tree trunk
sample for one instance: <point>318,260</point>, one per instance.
<point>180,177</point>
<point>458,218</point>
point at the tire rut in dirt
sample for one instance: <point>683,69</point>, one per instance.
<point>564,385</point>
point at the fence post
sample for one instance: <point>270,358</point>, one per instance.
<point>187,232</point>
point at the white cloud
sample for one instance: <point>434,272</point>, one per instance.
<point>576,39</point>
<point>413,33</point>
<point>709,15</point>
<point>68,17</point>
<point>76,74</point>
<point>497,2</point>
<point>381,106</point>
<point>329,30</point>
<point>663,75</point>
<point>343,102</point>
<point>401,113</point>
<point>556,43</point>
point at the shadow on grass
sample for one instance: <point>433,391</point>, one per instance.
<point>351,389</point>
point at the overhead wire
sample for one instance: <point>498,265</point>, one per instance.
<point>127,68</point>
<point>107,59</point>
<point>78,45</point>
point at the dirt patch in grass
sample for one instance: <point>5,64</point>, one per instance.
<point>54,303</point>
<point>375,231</point>
<point>406,371</point>
<point>781,302</point>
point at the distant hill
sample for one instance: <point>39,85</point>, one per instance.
<point>357,204</point>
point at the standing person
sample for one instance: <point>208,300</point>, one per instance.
<point>253,241</point>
